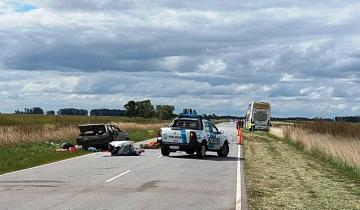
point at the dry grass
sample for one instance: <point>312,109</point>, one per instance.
<point>279,176</point>
<point>136,126</point>
<point>35,133</point>
<point>42,133</point>
<point>341,129</point>
<point>323,139</point>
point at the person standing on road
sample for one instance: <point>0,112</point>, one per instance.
<point>252,128</point>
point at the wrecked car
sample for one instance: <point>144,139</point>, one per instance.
<point>100,135</point>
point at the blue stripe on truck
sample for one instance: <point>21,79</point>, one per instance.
<point>183,136</point>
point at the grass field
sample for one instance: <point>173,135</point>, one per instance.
<point>280,175</point>
<point>15,129</point>
<point>12,120</point>
<point>338,142</point>
<point>25,139</point>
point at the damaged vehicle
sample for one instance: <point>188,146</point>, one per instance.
<point>100,135</point>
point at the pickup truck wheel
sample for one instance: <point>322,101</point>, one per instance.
<point>201,151</point>
<point>224,150</point>
<point>190,151</point>
<point>165,151</point>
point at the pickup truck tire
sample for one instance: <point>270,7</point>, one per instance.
<point>190,151</point>
<point>165,151</point>
<point>201,151</point>
<point>224,150</point>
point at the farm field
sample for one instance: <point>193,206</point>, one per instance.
<point>336,142</point>
<point>29,140</point>
<point>280,175</point>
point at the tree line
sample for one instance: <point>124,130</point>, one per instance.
<point>146,110</point>
<point>132,109</point>
<point>354,119</point>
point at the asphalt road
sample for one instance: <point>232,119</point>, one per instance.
<point>149,181</point>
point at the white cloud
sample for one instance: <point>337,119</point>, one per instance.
<point>291,78</point>
<point>216,66</point>
<point>297,54</point>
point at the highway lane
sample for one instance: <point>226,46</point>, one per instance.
<point>149,181</point>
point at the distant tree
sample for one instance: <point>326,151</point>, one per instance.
<point>72,111</point>
<point>107,112</point>
<point>144,109</point>
<point>36,110</point>
<point>165,112</point>
<point>354,119</point>
<point>131,108</point>
<point>140,109</point>
<point>50,112</point>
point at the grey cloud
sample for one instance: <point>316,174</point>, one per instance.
<point>297,54</point>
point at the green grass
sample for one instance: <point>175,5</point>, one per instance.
<point>140,135</point>
<point>281,176</point>
<point>20,155</point>
<point>15,119</point>
<point>350,171</point>
<point>23,156</point>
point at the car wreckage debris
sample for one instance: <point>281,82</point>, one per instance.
<point>150,145</point>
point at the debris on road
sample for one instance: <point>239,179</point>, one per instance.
<point>150,145</point>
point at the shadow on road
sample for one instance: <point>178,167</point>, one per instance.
<point>207,158</point>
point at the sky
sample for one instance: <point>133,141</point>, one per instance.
<point>213,56</point>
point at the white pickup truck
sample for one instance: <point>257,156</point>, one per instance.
<point>193,134</point>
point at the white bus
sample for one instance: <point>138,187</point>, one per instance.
<point>258,116</point>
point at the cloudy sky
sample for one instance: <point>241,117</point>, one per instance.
<point>215,56</point>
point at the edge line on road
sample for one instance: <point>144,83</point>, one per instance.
<point>238,180</point>
<point>115,177</point>
<point>47,164</point>
<point>60,161</point>
<point>158,156</point>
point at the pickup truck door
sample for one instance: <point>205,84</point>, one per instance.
<point>215,137</point>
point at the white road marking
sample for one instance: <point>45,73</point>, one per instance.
<point>238,180</point>
<point>115,177</point>
<point>158,156</point>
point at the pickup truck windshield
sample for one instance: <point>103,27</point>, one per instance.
<point>188,124</point>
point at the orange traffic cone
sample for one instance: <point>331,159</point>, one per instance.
<point>240,137</point>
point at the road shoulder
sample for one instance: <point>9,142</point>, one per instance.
<point>278,176</point>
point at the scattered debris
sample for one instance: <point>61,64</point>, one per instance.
<point>66,145</point>
<point>92,149</point>
<point>61,150</point>
<point>72,149</point>
<point>150,145</point>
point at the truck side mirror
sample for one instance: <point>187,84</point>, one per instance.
<point>221,132</point>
